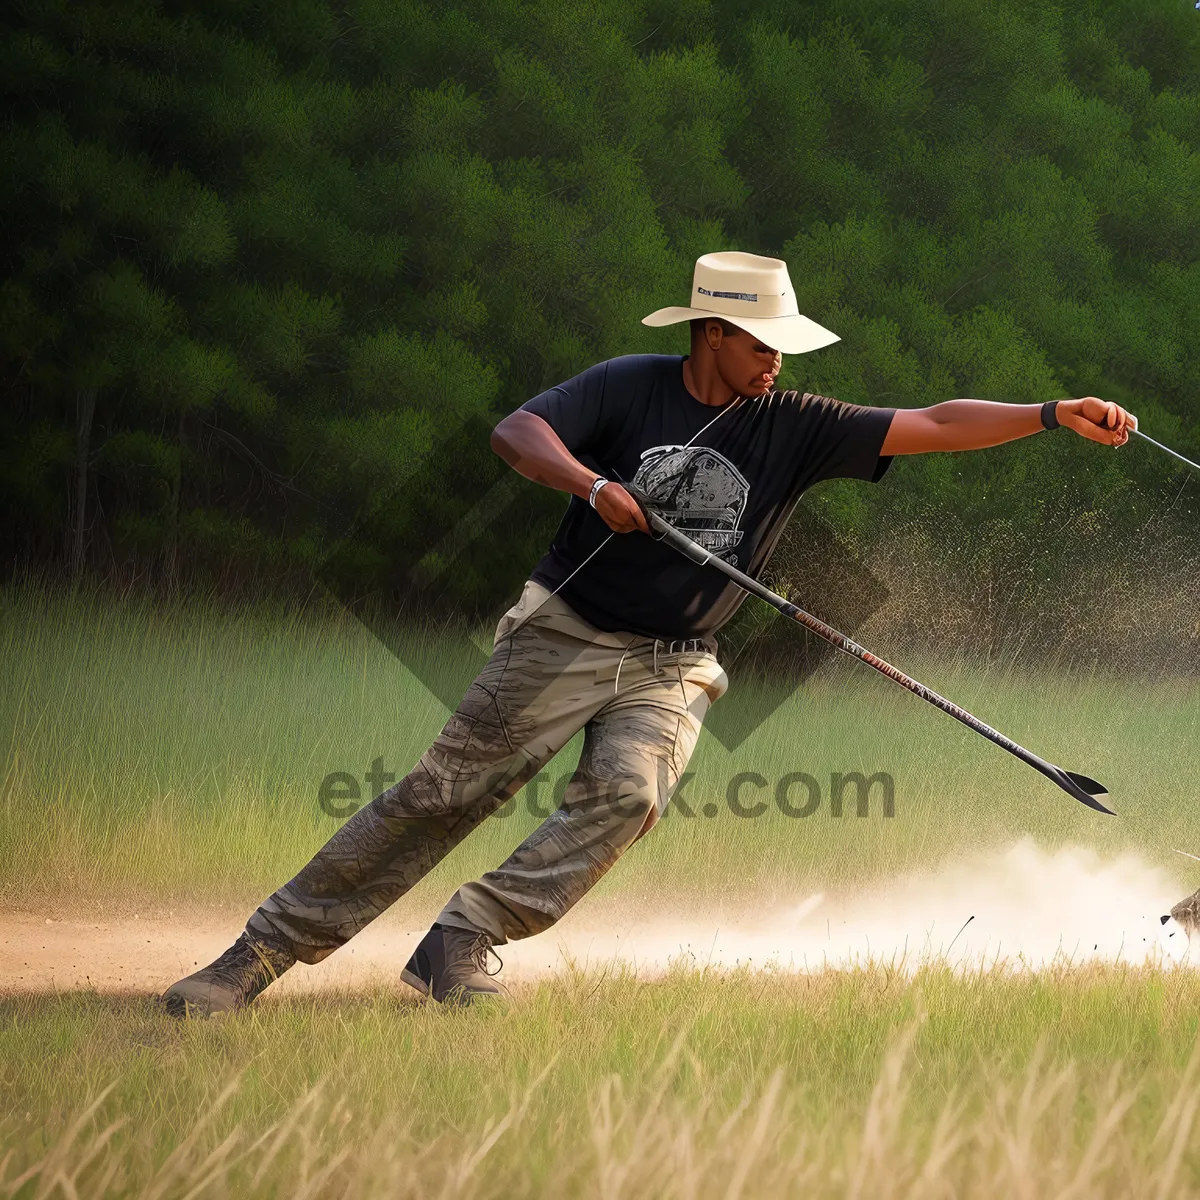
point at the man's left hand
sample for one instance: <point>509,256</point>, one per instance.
<point>1100,420</point>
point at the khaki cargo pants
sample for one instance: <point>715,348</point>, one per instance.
<point>641,702</point>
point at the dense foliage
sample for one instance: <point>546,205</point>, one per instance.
<point>272,270</point>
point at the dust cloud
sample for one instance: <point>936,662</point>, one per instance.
<point>1025,906</point>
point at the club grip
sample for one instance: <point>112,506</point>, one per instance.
<point>663,531</point>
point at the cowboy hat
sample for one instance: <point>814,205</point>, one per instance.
<point>753,293</point>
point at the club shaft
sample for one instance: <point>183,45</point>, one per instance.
<point>666,532</point>
<point>1172,453</point>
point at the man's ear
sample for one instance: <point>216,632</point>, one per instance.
<point>714,334</point>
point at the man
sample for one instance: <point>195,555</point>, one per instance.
<point>613,634</point>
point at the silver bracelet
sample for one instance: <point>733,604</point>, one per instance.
<point>600,482</point>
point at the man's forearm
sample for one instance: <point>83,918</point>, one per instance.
<point>533,449</point>
<point>977,424</point>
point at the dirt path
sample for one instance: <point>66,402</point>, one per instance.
<point>147,955</point>
<point>1025,905</point>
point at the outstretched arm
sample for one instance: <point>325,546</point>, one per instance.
<point>976,424</point>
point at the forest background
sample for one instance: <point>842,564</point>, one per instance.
<point>272,271</point>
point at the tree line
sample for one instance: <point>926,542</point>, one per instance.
<point>272,271</point>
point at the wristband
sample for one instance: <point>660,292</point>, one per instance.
<point>1049,416</point>
<point>600,482</point>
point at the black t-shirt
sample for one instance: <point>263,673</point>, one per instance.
<point>730,487</point>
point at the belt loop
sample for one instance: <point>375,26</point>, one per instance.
<point>617,680</point>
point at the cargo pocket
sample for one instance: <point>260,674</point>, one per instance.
<point>710,677</point>
<point>532,594</point>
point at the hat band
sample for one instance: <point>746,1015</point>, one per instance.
<point>729,295</point>
<point>744,304</point>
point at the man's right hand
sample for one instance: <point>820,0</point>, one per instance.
<point>620,511</point>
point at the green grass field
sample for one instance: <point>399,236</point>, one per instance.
<point>178,755</point>
<point>172,757</point>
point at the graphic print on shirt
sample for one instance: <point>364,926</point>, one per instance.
<point>699,491</point>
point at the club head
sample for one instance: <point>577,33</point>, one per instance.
<point>1084,790</point>
<point>1089,785</point>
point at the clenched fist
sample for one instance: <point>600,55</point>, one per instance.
<point>1100,420</point>
<point>620,510</point>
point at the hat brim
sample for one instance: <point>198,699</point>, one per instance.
<point>789,335</point>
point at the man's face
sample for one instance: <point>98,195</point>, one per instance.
<point>746,366</point>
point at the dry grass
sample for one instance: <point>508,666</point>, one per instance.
<point>1078,1082</point>
<point>1030,1138</point>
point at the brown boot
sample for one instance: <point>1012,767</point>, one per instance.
<point>451,964</point>
<point>230,982</point>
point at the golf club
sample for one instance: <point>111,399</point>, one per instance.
<point>1080,787</point>
<point>1172,453</point>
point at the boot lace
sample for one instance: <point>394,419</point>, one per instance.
<point>481,947</point>
<point>246,961</point>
